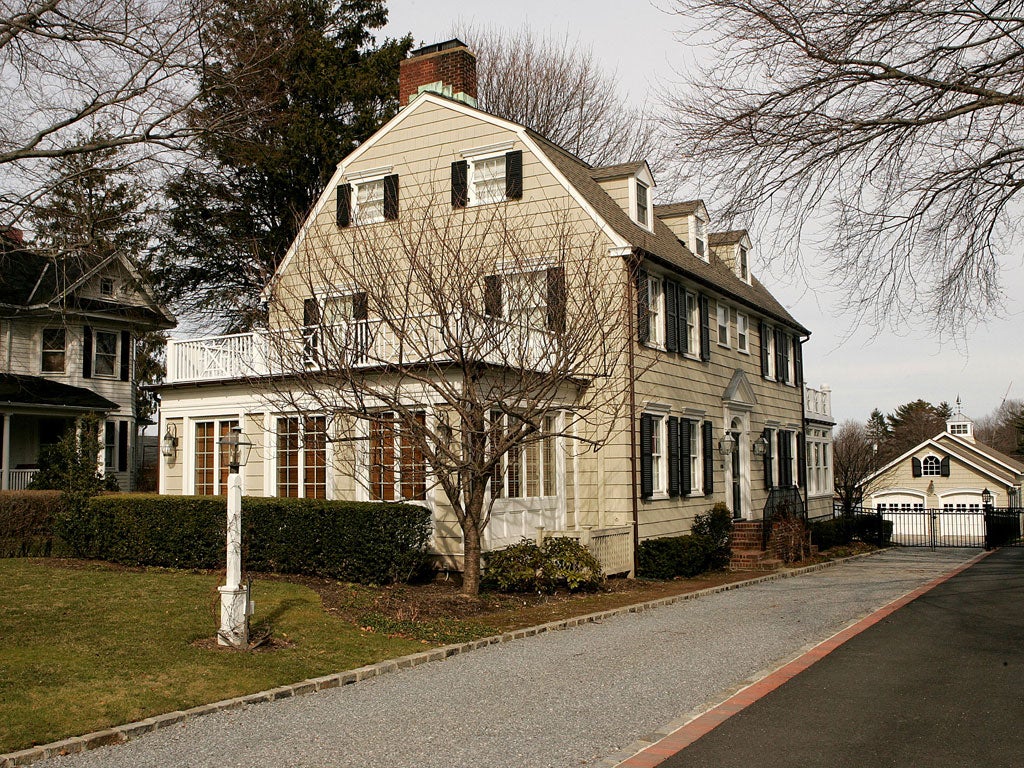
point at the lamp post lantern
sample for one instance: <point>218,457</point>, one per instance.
<point>235,606</point>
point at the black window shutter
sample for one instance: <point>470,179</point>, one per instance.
<point>762,332</point>
<point>360,308</point>
<point>798,360</point>
<point>801,460</point>
<point>391,197</point>
<point>785,458</point>
<point>460,184</point>
<point>87,352</point>
<point>126,355</point>
<point>780,371</point>
<point>646,459</point>
<point>556,299</point>
<point>643,325</point>
<point>915,466</point>
<point>708,439</point>
<point>685,476</point>
<point>492,296</point>
<point>673,456</point>
<point>122,446</point>
<point>682,337</point>
<point>705,329</point>
<point>671,316</point>
<point>514,175</point>
<point>310,313</point>
<point>344,212</point>
<point>769,479</point>
<point>944,467</point>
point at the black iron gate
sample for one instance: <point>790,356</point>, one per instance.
<point>920,527</point>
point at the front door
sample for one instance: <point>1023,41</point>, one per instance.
<point>737,493</point>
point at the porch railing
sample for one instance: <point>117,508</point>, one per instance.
<point>19,479</point>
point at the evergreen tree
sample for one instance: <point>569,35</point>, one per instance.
<point>310,85</point>
<point>913,423</point>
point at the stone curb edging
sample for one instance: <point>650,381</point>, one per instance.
<point>122,733</point>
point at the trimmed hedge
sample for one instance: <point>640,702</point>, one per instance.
<point>841,531</point>
<point>352,541</point>
<point>27,523</point>
<point>668,558</point>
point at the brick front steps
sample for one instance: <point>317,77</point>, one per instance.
<point>747,554</point>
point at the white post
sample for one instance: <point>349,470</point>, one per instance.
<point>234,596</point>
<point>5,464</point>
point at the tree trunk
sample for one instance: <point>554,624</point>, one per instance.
<point>471,535</point>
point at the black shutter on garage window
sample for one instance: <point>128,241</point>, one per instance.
<point>944,467</point>
<point>87,352</point>
<point>391,197</point>
<point>673,456</point>
<point>360,306</point>
<point>646,459</point>
<point>769,480</point>
<point>671,316</point>
<point>705,329</point>
<point>344,203</point>
<point>126,355</point>
<point>556,299</point>
<point>762,332</point>
<point>798,360</point>
<point>801,460</point>
<point>708,439</point>
<point>460,184</point>
<point>122,446</point>
<point>685,475</point>
<point>643,324</point>
<point>915,466</point>
<point>514,175</point>
<point>492,296</point>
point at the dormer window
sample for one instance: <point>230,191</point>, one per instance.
<point>643,209</point>
<point>744,268</point>
<point>700,237</point>
<point>959,429</point>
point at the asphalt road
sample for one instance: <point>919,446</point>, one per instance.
<point>937,684</point>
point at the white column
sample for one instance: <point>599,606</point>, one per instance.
<point>234,597</point>
<point>5,465</point>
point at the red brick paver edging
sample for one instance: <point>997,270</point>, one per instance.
<point>686,734</point>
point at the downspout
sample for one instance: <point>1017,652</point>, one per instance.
<point>633,433</point>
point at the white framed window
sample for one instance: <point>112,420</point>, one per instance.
<point>696,460</point>
<point>768,340</point>
<point>743,265</point>
<point>692,324</point>
<point>209,456</point>
<point>301,457</point>
<point>655,311</point>
<point>104,355</point>
<point>643,206</point>
<point>487,180</point>
<point>659,456</point>
<point>368,202</point>
<point>742,332</point>
<point>700,237</point>
<point>526,296</point>
<point>959,429</point>
<point>724,339</point>
<point>528,470</point>
<point>54,351</point>
<point>931,466</point>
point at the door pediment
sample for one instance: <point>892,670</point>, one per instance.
<point>739,395</point>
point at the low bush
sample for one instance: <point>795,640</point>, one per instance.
<point>526,567</point>
<point>364,542</point>
<point>826,534</point>
<point>866,529</point>
<point>674,556</point>
<point>27,523</point>
<point>715,527</point>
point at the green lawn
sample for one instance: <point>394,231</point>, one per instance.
<point>84,647</point>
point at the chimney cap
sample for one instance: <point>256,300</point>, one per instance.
<point>436,47</point>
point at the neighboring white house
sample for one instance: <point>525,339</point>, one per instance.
<point>818,425</point>
<point>67,336</point>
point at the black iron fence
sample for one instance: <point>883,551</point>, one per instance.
<point>920,527</point>
<point>782,502</point>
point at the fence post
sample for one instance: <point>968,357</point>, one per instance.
<point>881,528</point>
<point>988,527</point>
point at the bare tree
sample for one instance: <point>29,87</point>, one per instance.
<point>459,346</point>
<point>896,125</point>
<point>559,89</point>
<point>855,456</point>
<point>1003,429</point>
<point>87,75</point>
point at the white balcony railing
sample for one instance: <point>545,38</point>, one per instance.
<point>366,343</point>
<point>818,403</point>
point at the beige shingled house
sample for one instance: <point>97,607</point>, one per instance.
<point>712,399</point>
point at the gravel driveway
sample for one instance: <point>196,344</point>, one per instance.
<point>567,698</point>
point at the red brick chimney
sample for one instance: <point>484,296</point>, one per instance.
<point>14,234</point>
<point>447,68</point>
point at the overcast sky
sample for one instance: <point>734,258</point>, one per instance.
<point>864,369</point>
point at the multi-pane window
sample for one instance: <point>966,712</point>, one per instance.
<point>959,429</point>
<point>54,350</point>
<point>527,298</point>
<point>696,460</point>
<point>743,265</point>
<point>105,354</point>
<point>658,455</point>
<point>529,469</point>
<point>487,180</point>
<point>692,324</point>
<point>768,341</point>
<point>210,457</point>
<point>302,457</point>
<point>642,205</point>
<point>397,465</point>
<point>110,445</point>
<point>931,466</point>
<point>723,325</point>
<point>700,236</point>
<point>368,202</point>
<point>655,311</point>
<point>819,474</point>
<point>742,332</point>
<point>106,286</point>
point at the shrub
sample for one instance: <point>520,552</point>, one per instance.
<point>674,556</point>
<point>715,527</point>
<point>352,541</point>
<point>866,529</point>
<point>27,523</point>
<point>526,567</point>
<point>826,534</point>
<point>69,465</point>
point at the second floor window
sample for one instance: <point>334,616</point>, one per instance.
<point>105,354</point>
<point>742,332</point>
<point>484,179</point>
<point>655,311</point>
<point>931,466</point>
<point>723,325</point>
<point>54,350</point>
